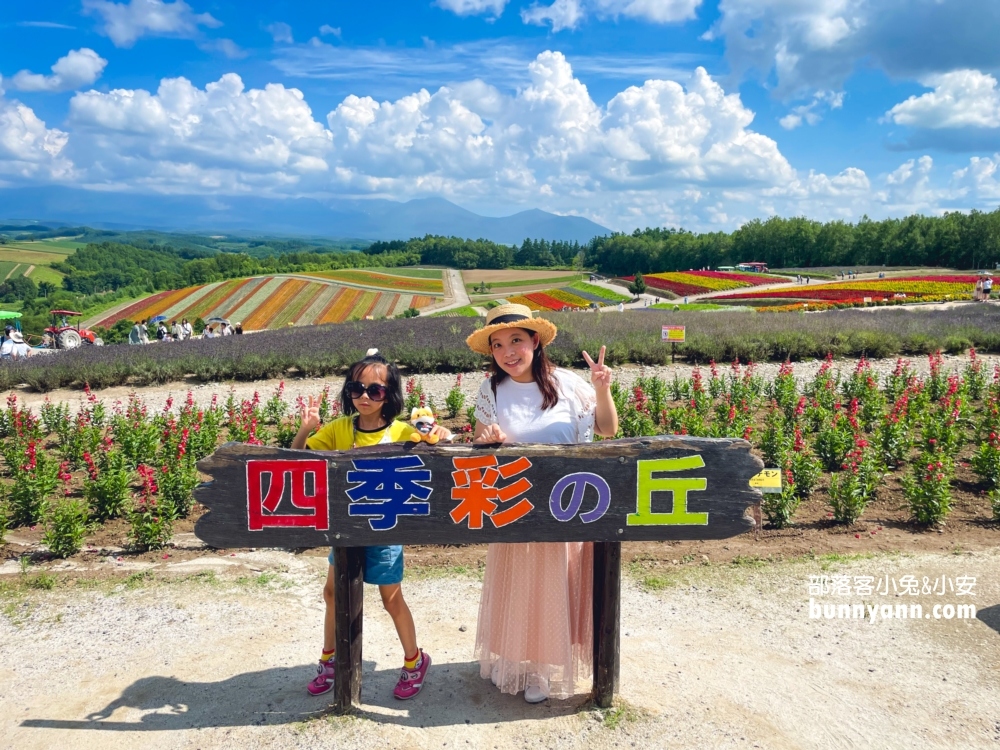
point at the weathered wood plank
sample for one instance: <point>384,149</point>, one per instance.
<point>607,613</point>
<point>658,488</point>
<point>348,596</point>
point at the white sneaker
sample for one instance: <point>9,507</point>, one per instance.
<point>495,674</point>
<point>537,689</point>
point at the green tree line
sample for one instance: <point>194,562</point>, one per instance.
<point>954,240</point>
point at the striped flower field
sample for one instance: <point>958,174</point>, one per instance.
<point>362,277</point>
<point>700,282</point>
<point>273,302</point>
<point>569,298</point>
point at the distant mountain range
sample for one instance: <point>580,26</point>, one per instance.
<point>354,219</point>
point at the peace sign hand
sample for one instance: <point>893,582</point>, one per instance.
<point>600,374</point>
<point>309,414</point>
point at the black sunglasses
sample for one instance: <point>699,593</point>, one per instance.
<point>356,389</point>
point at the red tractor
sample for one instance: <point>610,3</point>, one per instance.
<point>66,336</point>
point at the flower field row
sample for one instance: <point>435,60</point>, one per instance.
<point>699,282</point>
<point>383,280</point>
<point>912,286</point>
<point>592,291</point>
<point>838,441</point>
<point>551,299</point>
<point>271,302</point>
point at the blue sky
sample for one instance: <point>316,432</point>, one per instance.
<point>694,113</point>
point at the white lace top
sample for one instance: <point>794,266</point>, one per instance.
<point>517,408</point>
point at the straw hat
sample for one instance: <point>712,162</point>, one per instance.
<point>510,316</point>
<point>16,337</point>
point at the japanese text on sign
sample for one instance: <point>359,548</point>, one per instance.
<point>672,334</point>
<point>385,488</point>
<point>262,506</point>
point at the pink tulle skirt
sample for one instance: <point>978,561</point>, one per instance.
<point>536,615</point>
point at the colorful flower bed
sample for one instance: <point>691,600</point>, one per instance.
<point>387,281</point>
<point>921,288</point>
<point>552,299</point>
<point>271,302</point>
<point>686,283</point>
<point>591,291</point>
<point>927,445</point>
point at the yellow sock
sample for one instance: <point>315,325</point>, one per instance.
<point>412,663</point>
<point>327,655</point>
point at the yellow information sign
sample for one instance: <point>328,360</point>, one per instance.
<point>768,480</point>
<point>672,334</point>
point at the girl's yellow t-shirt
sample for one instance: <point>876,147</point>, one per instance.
<point>340,435</point>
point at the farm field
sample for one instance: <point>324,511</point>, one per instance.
<point>369,278</point>
<point>30,257</point>
<point>269,302</point>
<point>417,273</point>
<point>916,288</point>
<point>512,278</point>
<point>700,282</point>
<point>576,296</point>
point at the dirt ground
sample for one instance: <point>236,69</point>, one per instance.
<point>500,277</point>
<point>215,652</point>
<point>191,647</point>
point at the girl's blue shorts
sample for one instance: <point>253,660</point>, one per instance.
<point>383,565</point>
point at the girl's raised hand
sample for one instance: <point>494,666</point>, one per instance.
<point>600,373</point>
<point>309,414</point>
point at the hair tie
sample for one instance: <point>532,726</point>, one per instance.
<point>371,352</point>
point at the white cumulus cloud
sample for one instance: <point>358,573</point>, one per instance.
<point>182,133</point>
<point>568,14</point>
<point>79,67</point>
<point>808,45</point>
<point>125,23</point>
<point>28,149</point>
<point>961,98</point>
<point>473,7</point>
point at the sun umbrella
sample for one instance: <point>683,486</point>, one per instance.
<point>218,320</point>
<point>158,318</point>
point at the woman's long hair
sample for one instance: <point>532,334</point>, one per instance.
<point>541,370</point>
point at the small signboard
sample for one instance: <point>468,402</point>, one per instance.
<point>673,334</point>
<point>768,481</point>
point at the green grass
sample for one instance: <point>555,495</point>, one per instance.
<point>44,273</point>
<point>33,252</point>
<point>497,287</point>
<point>459,312</point>
<point>416,273</point>
<point>6,266</point>
<point>599,291</point>
<point>693,306</point>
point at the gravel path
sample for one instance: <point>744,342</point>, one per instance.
<point>436,386</point>
<point>722,656</point>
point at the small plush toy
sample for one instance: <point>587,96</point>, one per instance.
<point>423,420</point>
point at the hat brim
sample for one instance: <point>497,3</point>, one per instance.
<point>479,341</point>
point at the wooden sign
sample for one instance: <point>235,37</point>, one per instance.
<point>667,487</point>
<point>656,488</point>
<point>672,334</point>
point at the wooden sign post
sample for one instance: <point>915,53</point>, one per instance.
<point>636,489</point>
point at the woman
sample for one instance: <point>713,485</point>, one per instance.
<point>535,620</point>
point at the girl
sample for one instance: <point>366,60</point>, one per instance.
<point>371,399</point>
<point>535,619</point>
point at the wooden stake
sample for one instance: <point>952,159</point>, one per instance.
<point>348,596</point>
<point>607,609</point>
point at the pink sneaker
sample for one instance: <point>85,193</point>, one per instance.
<point>411,680</point>
<point>323,682</point>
